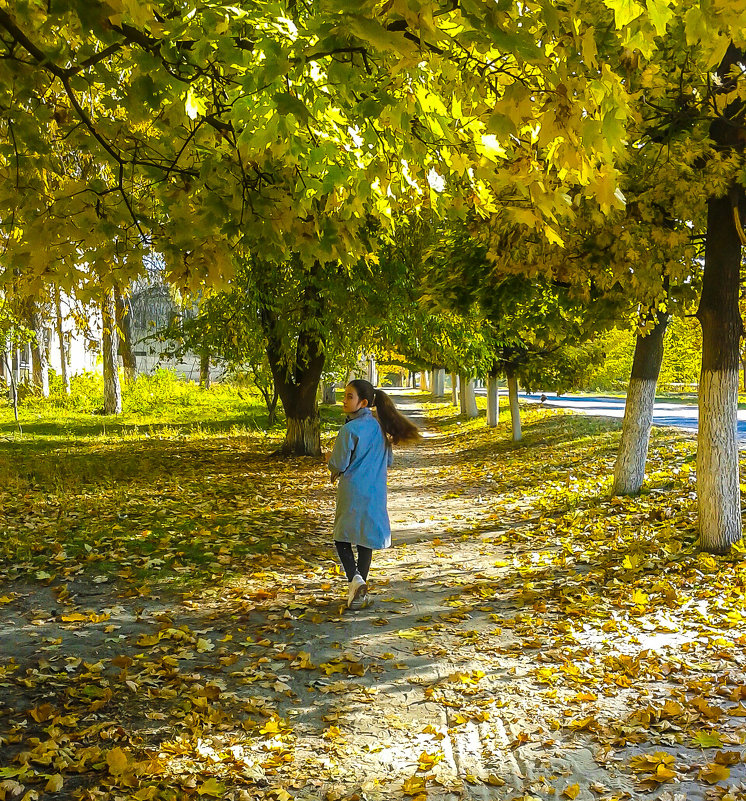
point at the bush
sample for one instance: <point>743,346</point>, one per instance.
<point>148,392</point>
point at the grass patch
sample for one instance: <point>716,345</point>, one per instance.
<point>179,489</point>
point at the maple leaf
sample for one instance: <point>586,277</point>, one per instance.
<point>414,785</point>
<point>714,773</point>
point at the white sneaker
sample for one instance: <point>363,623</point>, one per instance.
<point>361,602</point>
<point>358,589</point>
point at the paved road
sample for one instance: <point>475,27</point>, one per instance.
<point>664,414</point>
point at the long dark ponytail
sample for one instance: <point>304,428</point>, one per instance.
<point>395,425</point>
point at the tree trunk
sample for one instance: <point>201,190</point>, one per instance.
<point>439,382</point>
<point>454,390</point>
<point>204,369</point>
<point>629,471</point>
<point>39,358</point>
<point>468,399</point>
<point>272,407</point>
<point>743,367</point>
<point>718,484</point>
<point>124,324</point>
<point>13,391</point>
<point>515,412</point>
<point>298,385</point>
<point>493,401</point>
<point>61,339</point>
<point>298,396</point>
<point>718,493</point>
<point>112,388</point>
<point>328,393</point>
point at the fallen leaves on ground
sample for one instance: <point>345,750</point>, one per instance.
<point>179,627</point>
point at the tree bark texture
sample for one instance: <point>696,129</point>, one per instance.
<point>718,494</point>
<point>112,387</point>
<point>61,340</point>
<point>629,470</point>
<point>204,369</point>
<point>298,385</point>
<point>39,356</point>
<point>718,483</point>
<point>328,394</point>
<point>515,412</point>
<point>454,390</point>
<point>493,401</point>
<point>124,324</point>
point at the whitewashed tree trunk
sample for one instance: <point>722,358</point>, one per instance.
<point>303,436</point>
<point>454,389</point>
<point>467,397</point>
<point>629,470</point>
<point>515,412</point>
<point>425,380</point>
<point>61,340</point>
<point>440,384</point>
<point>718,484</point>
<point>471,400</point>
<point>493,402</point>
<point>110,350</point>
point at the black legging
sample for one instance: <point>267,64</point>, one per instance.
<point>347,558</point>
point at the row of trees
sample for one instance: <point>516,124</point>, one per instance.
<point>533,172</point>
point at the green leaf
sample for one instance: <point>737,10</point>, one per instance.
<point>707,739</point>
<point>290,104</point>
<point>659,13</point>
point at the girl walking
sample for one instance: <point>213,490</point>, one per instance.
<point>360,458</point>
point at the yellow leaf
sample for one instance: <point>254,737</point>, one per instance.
<point>54,784</point>
<point>211,787</point>
<point>571,792</point>
<point>74,617</point>
<point>426,761</point>
<point>664,774</point>
<point>117,761</point>
<point>414,785</point>
<point>42,713</point>
<point>553,237</point>
<point>648,763</point>
<point>714,773</point>
<point>146,641</point>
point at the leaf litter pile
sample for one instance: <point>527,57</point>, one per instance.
<point>172,625</point>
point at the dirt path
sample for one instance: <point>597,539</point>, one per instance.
<point>459,682</point>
